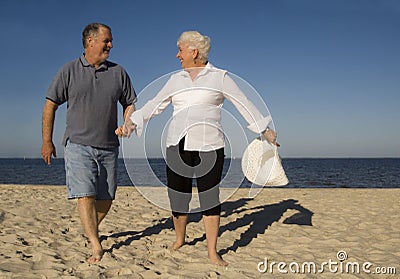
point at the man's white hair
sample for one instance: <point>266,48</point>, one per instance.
<point>196,41</point>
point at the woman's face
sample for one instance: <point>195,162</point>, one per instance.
<point>186,55</point>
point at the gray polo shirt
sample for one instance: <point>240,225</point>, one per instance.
<point>92,96</point>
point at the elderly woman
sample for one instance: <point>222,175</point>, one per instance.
<point>195,141</point>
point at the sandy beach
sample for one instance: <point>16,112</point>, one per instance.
<point>281,233</point>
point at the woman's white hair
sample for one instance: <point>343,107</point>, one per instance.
<point>196,41</point>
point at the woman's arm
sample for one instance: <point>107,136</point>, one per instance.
<point>137,119</point>
<point>257,122</point>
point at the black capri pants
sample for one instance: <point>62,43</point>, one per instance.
<point>182,167</point>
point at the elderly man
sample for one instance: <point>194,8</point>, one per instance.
<point>92,86</point>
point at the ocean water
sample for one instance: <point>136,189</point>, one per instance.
<point>302,173</point>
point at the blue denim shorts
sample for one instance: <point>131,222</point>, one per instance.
<point>91,171</point>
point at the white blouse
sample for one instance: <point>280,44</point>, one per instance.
<point>197,109</point>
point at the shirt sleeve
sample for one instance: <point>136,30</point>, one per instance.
<point>257,122</point>
<point>128,96</point>
<point>58,89</point>
<point>152,108</point>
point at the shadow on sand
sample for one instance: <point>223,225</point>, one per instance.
<point>258,219</point>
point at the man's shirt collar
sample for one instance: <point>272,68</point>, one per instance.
<point>85,63</point>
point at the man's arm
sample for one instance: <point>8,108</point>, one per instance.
<point>127,111</point>
<point>48,116</point>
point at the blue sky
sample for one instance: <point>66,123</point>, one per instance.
<point>329,71</point>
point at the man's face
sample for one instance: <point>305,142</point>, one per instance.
<point>100,45</point>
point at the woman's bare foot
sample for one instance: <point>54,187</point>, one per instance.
<point>177,245</point>
<point>96,256</point>
<point>216,259</point>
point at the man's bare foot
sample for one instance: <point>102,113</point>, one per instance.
<point>177,245</point>
<point>216,259</point>
<point>95,257</point>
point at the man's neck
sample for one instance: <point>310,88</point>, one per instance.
<point>94,62</point>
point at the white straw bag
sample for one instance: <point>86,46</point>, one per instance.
<point>262,165</point>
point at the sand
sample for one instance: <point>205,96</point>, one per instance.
<point>336,231</point>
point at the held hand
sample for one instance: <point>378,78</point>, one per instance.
<point>126,129</point>
<point>270,136</point>
<point>119,131</point>
<point>48,150</point>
